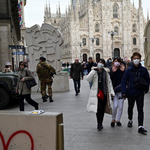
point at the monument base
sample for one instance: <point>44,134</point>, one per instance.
<point>61,82</point>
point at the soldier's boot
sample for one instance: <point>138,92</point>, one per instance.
<point>44,99</point>
<point>51,100</point>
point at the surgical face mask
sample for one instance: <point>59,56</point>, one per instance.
<point>110,60</point>
<point>117,64</point>
<point>100,65</point>
<point>136,61</point>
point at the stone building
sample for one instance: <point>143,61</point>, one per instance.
<point>86,24</point>
<point>10,33</point>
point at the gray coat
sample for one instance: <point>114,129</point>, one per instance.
<point>21,86</point>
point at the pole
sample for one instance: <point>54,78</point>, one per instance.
<point>93,48</point>
<point>112,47</point>
<point>16,60</point>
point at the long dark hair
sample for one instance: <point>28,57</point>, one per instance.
<point>22,62</point>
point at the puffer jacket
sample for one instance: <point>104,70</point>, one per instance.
<point>128,85</point>
<point>22,86</point>
<point>93,100</point>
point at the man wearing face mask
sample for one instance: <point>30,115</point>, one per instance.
<point>135,85</point>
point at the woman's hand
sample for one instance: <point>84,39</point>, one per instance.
<point>114,68</point>
<point>112,95</point>
<point>22,79</point>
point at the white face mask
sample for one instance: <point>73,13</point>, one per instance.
<point>136,61</point>
<point>100,65</point>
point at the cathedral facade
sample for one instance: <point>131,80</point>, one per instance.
<point>99,29</point>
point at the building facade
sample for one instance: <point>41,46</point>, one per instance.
<point>87,23</point>
<point>10,32</point>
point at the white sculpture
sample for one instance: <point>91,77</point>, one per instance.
<point>45,41</point>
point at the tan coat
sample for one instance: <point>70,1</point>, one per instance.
<point>21,86</point>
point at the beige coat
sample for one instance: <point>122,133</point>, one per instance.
<point>21,86</point>
<point>93,100</point>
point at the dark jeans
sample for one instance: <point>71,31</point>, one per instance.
<point>76,85</point>
<point>28,99</point>
<point>101,110</point>
<point>140,104</point>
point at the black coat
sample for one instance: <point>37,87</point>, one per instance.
<point>76,71</point>
<point>128,78</point>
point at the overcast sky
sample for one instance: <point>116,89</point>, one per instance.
<point>34,10</point>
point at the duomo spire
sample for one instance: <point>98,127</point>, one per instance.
<point>147,14</point>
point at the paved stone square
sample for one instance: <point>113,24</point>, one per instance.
<point>80,126</point>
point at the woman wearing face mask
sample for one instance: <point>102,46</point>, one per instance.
<point>101,92</point>
<point>116,74</point>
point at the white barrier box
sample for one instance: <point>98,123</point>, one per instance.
<point>22,131</point>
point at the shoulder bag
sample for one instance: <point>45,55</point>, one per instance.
<point>140,82</point>
<point>30,83</point>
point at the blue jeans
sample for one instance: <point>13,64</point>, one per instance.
<point>76,85</point>
<point>90,83</point>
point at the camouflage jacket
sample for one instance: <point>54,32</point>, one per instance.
<point>44,70</point>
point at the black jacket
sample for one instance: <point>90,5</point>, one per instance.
<point>76,71</point>
<point>129,79</point>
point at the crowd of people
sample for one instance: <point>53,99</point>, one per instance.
<point>112,82</point>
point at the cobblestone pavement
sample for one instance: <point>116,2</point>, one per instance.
<point>80,126</point>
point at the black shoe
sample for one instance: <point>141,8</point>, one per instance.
<point>51,100</point>
<point>130,124</point>
<point>78,91</point>
<point>118,123</point>
<point>46,96</point>
<point>37,107</point>
<point>76,94</point>
<point>44,99</point>
<point>112,124</point>
<point>100,127</point>
<point>142,130</point>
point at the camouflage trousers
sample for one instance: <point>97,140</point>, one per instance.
<point>43,88</point>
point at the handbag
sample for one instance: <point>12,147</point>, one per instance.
<point>118,88</point>
<point>100,95</point>
<point>140,82</point>
<point>30,83</point>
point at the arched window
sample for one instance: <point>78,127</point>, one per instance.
<point>134,41</point>
<point>134,28</point>
<point>97,41</point>
<point>85,57</point>
<point>97,57</point>
<point>97,27</point>
<point>84,41</point>
<point>55,21</point>
<point>115,11</point>
<point>116,29</point>
<point>116,52</point>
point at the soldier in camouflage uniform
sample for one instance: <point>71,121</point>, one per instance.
<point>44,72</point>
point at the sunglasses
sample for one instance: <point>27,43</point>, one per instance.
<point>21,64</point>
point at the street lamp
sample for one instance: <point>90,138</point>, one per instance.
<point>92,39</point>
<point>112,33</point>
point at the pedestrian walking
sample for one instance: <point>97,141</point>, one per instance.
<point>136,78</point>
<point>76,73</point>
<point>88,66</point>
<point>24,92</point>
<point>116,74</point>
<point>109,63</point>
<point>101,92</point>
<point>45,73</point>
